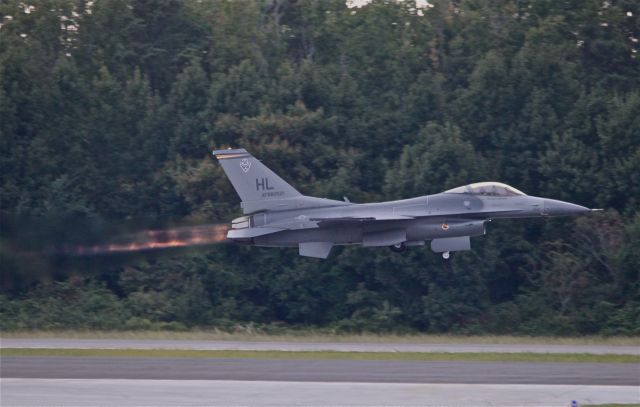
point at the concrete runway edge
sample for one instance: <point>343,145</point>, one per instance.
<point>119,392</point>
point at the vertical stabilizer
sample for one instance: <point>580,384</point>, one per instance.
<point>251,179</point>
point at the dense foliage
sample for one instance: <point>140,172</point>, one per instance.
<point>109,108</point>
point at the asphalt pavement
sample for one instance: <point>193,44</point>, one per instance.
<point>370,371</point>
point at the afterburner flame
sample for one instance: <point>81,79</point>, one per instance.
<point>157,239</point>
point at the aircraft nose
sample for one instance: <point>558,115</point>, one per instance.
<point>561,208</point>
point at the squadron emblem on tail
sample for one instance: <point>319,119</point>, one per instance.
<point>245,164</point>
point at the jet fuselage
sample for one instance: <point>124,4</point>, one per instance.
<point>278,215</point>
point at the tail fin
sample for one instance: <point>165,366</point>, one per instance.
<point>251,179</point>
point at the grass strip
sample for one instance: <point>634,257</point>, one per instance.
<point>315,355</point>
<point>311,335</point>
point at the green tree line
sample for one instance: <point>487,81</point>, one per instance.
<point>109,110</point>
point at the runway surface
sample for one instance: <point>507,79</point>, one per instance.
<point>118,392</point>
<point>313,346</point>
<point>120,381</point>
<point>370,371</point>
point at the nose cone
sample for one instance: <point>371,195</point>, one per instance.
<point>560,208</point>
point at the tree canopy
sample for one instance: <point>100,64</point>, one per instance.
<point>109,109</point>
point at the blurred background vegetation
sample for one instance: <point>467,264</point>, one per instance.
<point>109,108</point>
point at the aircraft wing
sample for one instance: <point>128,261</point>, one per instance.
<point>330,221</point>
<point>327,221</point>
<point>362,218</point>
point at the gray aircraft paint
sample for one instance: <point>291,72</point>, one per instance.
<point>280,216</point>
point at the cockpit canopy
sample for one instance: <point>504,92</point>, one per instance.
<point>487,189</point>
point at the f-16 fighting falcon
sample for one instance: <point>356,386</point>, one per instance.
<point>277,215</point>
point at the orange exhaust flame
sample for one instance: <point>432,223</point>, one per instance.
<point>157,239</point>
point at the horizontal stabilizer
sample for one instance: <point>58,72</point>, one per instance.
<point>249,233</point>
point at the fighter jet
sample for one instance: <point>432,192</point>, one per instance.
<point>277,215</point>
